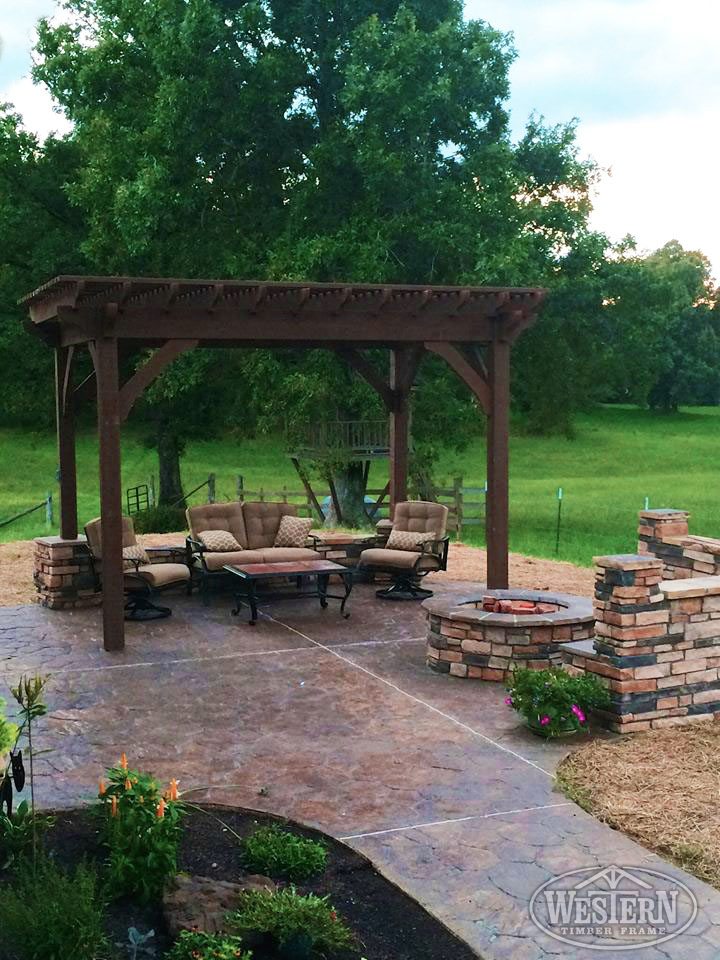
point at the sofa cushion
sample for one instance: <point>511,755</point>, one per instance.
<point>134,552</point>
<point>262,520</point>
<point>293,531</point>
<point>400,559</point>
<point>219,541</point>
<point>163,574</point>
<point>218,516</point>
<point>407,539</point>
<point>216,561</point>
<point>288,554</point>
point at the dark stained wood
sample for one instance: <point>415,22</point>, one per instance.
<point>108,390</point>
<point>467,370</point>
<point>497,515</point>
<point>368,372</point>
<point>335,500</point>
<point>308,489</point>
<point>133,389</point>
<point>403,366</point>
<point>65,419</point>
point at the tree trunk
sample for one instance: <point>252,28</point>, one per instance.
<point>169,448</point>
<point>349,481</point>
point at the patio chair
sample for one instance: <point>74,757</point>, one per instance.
<point>143,578</point>
<point>417,545</point>
<point>253,528</point>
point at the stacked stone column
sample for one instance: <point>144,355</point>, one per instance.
<point>656,647</point>
<point>63,573</point>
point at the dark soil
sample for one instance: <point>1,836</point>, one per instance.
<point>389,925</point>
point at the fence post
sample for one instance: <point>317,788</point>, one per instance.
<point>458,496</point>
<point>284,493</point>
<point>151,490</point>
<point>49,510</point>
<point>240,487</point>
<point>211,488</point>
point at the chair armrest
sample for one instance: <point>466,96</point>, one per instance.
<point>437,547</point>
<point>173,551</point>
<point>195,546</point>
<point>313,540</point>
<point>136,563</point>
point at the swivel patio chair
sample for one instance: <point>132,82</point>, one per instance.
<point>417,545</point>
<point>143,578</point>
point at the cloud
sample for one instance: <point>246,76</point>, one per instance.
<point>36,107</point>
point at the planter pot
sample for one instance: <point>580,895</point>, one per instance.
<point>540,731</point>
<point>299,947</point>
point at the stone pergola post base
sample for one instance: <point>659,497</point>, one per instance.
<point>63,574</point>
<point>656,646</point>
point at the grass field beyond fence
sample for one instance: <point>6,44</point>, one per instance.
<point>620,456</point>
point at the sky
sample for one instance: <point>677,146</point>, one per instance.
<point>641,76</point>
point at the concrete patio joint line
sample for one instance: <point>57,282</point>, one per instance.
<point>445,823</point>
<point>411,696</point>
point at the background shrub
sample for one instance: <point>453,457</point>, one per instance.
<point>47,914</point>
<point>280,853</point>
<point>287,917</point>
<point>161,519</point>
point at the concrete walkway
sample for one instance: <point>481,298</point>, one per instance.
<point>340,725</point>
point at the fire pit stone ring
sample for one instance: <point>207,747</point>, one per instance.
<point>466,640</point>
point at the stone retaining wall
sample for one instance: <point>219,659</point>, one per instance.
<point>656,646</point>
<point>664,534</point>
<point>63,573</point>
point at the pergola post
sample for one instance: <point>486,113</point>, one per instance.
<point>498,433</point>
<point>107,375</point>
<point>400,382</point>
<point>65,419</point>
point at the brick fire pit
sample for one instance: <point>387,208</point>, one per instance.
<point>484,635</point>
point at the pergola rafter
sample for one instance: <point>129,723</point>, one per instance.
<point>114,315</point>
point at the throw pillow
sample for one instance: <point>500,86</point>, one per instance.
<point>219,541</point>
<point>293,531</point>
<point>134,552</point>
<point>408,539</point>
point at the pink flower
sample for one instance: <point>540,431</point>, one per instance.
<point>545,720</point>
<point>578,713</point>
<point>508,701</point>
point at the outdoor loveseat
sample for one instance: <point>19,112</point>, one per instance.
<point>417,545</point>
<point>247,532</point>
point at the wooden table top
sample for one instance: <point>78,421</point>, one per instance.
<point>289,568</point>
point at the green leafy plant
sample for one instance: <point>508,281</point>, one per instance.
<point>290,919</point>
<point>48,914</point>
<point>139,944</point>
<point>196,945</point>
<point>8,731</point>
<point>142,831</point>
<point>555,702</point>
<point>18,831</point>
<point>160,519</point>
<point>280,853</point>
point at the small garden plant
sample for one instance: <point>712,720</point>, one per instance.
<point>553,701</point>
<point>142,831</point>
<point>304,923</point>
<point>196,945</point>
<point>48,914</point>
<point>280,853</point>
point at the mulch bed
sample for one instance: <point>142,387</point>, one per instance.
<point>389,924</point>
<point>661,788</point>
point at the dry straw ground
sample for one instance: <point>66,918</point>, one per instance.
<point>661,788</point>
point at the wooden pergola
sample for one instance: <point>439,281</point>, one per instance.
<point>471,328</point>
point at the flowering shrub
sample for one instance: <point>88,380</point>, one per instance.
<point>8,731</point>
<point>308,922</point>
<point>553,701</point>
<point>142,831</point>
<point>196,945</point>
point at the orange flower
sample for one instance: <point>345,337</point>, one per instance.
<point>101,788</point>
<point>173,791</point>
<point>114,806</point>
<point>161,809</point>
<point>123,761</point>
<point>128,785</point>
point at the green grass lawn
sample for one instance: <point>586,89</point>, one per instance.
<point>620,456</point>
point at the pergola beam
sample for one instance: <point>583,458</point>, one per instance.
<point>368,372</point>
<point>65,420</point>
<point>133,388</point>
<point>468,371</point>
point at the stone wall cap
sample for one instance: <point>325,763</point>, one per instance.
<point>690,587</point>
<point>663,514</point>
<point>583,648</point>
<point>60,542</point>
<point>629,561</point>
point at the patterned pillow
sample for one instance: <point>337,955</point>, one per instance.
<point>293,531</point>
<point>408,539</point>
<point>134,552</point>
<point>219,541</point>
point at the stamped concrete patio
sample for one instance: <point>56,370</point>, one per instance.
<point>340,725</point>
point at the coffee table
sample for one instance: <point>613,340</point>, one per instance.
<point>311,577</point>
